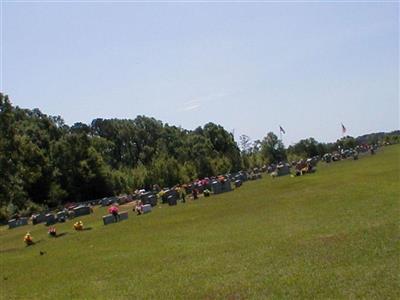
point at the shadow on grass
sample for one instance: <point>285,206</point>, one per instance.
<point>9,250</point>
<point>87,228</point>
<point>61,234</point>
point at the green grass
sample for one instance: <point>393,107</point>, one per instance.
<point>333,234</point>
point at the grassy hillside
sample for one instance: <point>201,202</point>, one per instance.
<point>332,234</point>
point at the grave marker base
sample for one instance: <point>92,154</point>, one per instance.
<point>109,219</point>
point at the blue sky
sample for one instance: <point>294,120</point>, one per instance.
<point>247,66</point>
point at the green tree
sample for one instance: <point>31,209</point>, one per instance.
<point>272,149</point>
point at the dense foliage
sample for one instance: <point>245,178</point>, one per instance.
<point>45,163</point>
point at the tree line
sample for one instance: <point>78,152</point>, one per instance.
<point>45,163</point>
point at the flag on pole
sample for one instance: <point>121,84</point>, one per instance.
<point>343,129</point>
<point>282,130</point>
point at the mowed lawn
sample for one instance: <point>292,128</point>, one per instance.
<point>333,234</point>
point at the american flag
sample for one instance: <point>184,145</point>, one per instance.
<point>343,129</point>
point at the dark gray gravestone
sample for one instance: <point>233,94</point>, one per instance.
<point>144,196</point>
<point>152,200</point>
<point>172,200</point>
<point>17,223</point>
<point>283,170</point>
<point>244,176</point>
<point>226,186</point>
<point>105,202</point>
<point>241,176</point>
<point>149,198</point>
<point>237,177</point>
<point>216,187</point>
<point>61,216</point>
<point>71,214</point>
<point>38,218</point>
<point>123,215</point>
<point>169,193</point>
<point>238,183</point>
<point>50,219</point>
<point>81,211</point>
<point>12,224</point>
<point>109,219</point>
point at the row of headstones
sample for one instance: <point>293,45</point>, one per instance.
<point>111,200</point>
<point>149,199</point>
<point>254,176</point>
<point>171,197</point>
<point>13,223</point>
<point>50,218</point>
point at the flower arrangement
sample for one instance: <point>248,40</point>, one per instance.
<point>28,239</point>
<point>78,226</point>
<point>52,232</point>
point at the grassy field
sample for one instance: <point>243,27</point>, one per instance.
<point>333,234</point>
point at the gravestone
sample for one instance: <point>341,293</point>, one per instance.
<point>226,186</point>
<point>243,175</point>
<point>146,208</point>
<point>109,219</point>
<point>238,183</point>
<point>216,187</point>
<point>38,218</point>
<point>148,198</point>
<point>168,193</point>
<point>50,219</point>
<point>152,200</point>
<point>123,215</point>
<point>105,202</point>
<point>172,200</point>
<point>17,223</point>
<point>71,214</point>
<point>61,216</point>
<point>283,169</point>
<point>81,211</point>
<point>145,195</point>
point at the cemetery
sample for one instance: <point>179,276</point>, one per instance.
<point>268,223</point>
<point>171,196</point>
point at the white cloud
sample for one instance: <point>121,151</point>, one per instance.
<point>191,107</point>
<point>197,102</point>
